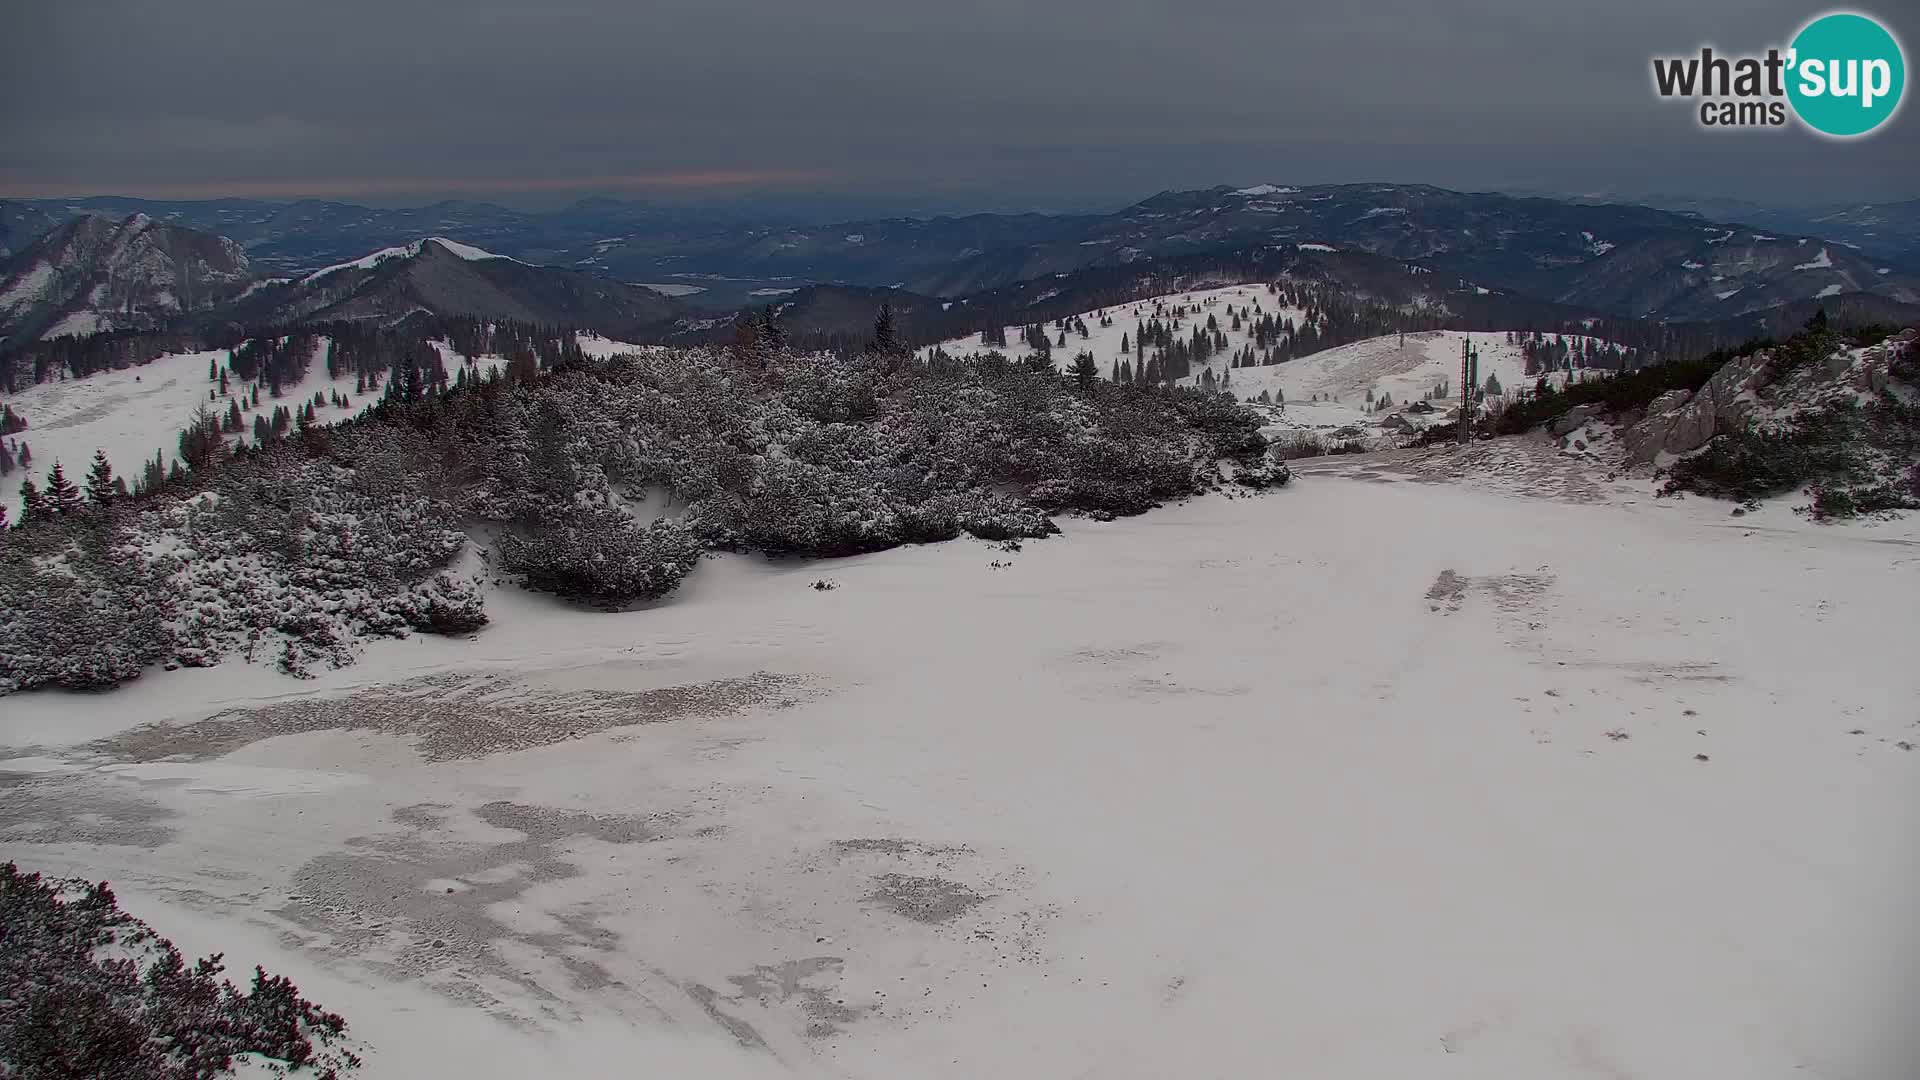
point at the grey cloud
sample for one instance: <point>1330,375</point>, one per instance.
<point>1070,99</point>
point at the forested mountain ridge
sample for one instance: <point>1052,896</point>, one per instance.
<point>95,273</point>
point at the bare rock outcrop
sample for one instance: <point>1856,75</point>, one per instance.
<point>1678,422</point>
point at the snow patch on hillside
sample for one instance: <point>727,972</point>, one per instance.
<point>408,251</point>
<point>74,324</point>
<point>28,287</point>
<point>1819,262</point>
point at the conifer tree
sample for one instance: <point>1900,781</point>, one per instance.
<point>62,497</point>
<point>33,505</point>
<point>103,489</point>
<point>773,336</point>
<point>886,338</point>
<point>1085,371</point>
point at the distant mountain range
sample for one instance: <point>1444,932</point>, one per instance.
<point>94,274</point>
<point>1631,261</point>
<point>637,272</point>
<point>1878,230</point>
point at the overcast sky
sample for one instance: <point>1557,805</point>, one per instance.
<point>1048,102</point>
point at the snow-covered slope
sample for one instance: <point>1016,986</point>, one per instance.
<point>1104,341</point>
<point>408,251</point>
<point>133,412</point>
<point>1405,367</point>
<point>1357,780</point>
<point>1327,389</point>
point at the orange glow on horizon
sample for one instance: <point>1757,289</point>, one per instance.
<point>690,180</point>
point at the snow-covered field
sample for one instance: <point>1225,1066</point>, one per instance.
<point>1357,779</point>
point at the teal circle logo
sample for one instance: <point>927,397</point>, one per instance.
<point>1846,74</point>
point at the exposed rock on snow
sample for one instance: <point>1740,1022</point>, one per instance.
<point>1678,422</point>
<point>1573,418</point>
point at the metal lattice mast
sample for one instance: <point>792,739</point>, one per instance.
<point>1466,385</point>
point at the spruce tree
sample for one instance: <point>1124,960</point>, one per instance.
<point>1085,371</point>
<point>64,499</point>
<point>773,336</point>
<point>102,488</point>
<point>886,339</point>
<point>33,505</point>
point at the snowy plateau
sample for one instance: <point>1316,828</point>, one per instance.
<point>1458,763</point>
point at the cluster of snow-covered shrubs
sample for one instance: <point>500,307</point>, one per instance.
<point>88,990</point>
<point>602,482</point>
<point>280,558</point>
<point>601,556</point>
